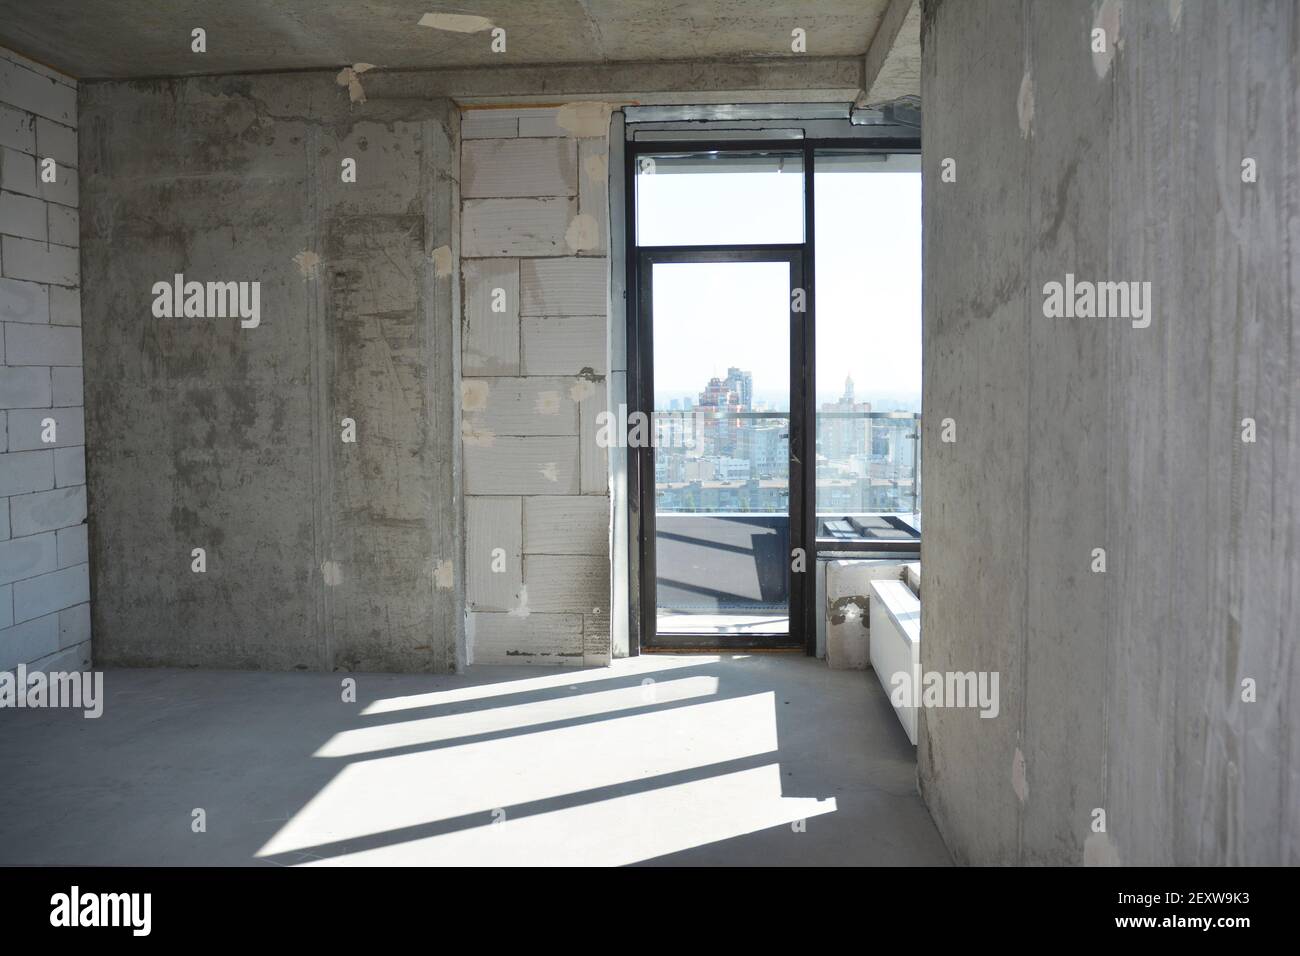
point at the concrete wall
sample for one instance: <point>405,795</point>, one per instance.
<point>203,434</point>
<point>1120,690</point>
<point>44,583</point>
<point>535,241</point>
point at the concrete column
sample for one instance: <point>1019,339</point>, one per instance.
<point>1164,155</point>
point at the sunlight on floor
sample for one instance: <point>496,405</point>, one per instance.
<point>614,832</point>
<point>497,784</point>
<point>351,743</point>
<point>564,678</point>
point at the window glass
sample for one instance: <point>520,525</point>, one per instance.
<point>714,198</point>
<point>868,268</point>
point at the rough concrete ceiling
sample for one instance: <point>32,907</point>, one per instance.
<point>143,38</point>
<point>893,63</point>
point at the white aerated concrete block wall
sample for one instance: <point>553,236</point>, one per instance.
<point>534,246</point>
<point>44,579</point>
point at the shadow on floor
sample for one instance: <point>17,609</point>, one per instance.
<point>684,759</point>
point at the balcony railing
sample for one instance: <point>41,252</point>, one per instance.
<point>725,461</point>
<point>722,504</point>
<point>868,462</point>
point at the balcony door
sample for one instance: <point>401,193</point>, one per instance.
<point>726,354</point>
<point>755,269</point>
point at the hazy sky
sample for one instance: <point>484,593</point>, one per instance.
<point>709,316</point>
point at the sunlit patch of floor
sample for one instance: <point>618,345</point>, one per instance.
<point>367,798</point>
<point>613,832</point>
<point>474,722</point>
<point>647,666</point>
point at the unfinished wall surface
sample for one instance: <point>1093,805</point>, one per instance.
<point>1121,690</point>
<point>203,433</point>
<point>44,581</point>
<point>534,359</point>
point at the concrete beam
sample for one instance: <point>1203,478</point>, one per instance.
<point>892,66</point>
<point>802,79</point>
<point>786,80</point>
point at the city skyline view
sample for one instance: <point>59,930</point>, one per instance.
<point>711,455</point>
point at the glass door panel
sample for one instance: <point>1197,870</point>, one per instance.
<point>721,447</point>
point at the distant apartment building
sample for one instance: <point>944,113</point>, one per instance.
<point>718,454</point>
<point>842,438</point>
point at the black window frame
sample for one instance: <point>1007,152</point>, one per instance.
<point>802,631</point>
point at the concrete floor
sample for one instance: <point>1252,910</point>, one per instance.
<point>689,760</point>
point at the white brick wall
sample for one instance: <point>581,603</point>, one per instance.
<point>44,575</point>
<point>533,381</point>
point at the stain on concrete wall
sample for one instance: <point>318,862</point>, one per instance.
<point>1121,690</point>
<point>852,609</point>
<point>204,434</point>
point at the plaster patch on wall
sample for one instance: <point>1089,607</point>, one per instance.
<point>547,403</point>
<point>443,575</point>
<point>442,261</point>
<point>474,394</point>
<point>1099,851</point>
<point>1108,21</point>
<point>581,389</point>
<point>471,435</point>
<point>349,76</point>
<point>596,166</point>
<point>550,471</point>
<point>332,573</point>
<point>584,120</point>
<point>1025,106</point>
<point>1019,782</point>
<point>583,233</point>
<point>455,22</point>
<point>521,609</point>
<point>308,263</point>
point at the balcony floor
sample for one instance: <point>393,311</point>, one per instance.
<point>714,760</point>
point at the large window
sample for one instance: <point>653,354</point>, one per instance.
<point>868,269</point>
<point>762,449</point>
